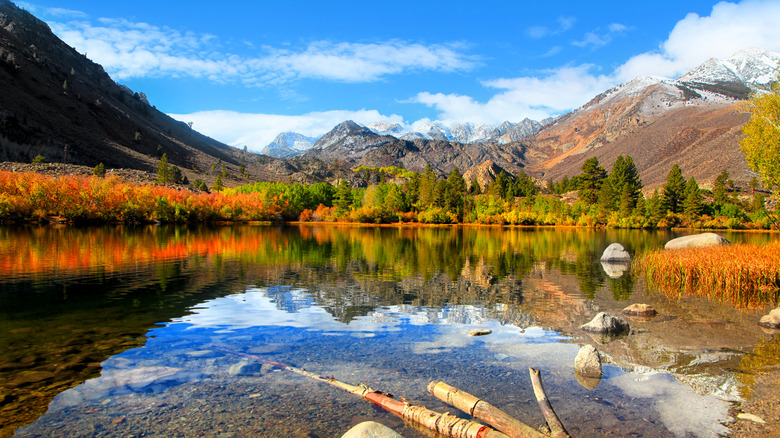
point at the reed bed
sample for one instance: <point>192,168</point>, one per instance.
<point>744,275</point>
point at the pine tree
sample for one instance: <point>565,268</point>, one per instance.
<point>163,170</point>
<point>590,180</point>
<point>455,193</point>
<point>693,205</point>
<point>217,184</point>
<point>674,190</point>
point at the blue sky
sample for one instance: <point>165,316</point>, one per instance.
<point>245,71</point>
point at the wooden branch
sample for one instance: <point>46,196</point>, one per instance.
<point>482,410</point>
<point>556,427</point>
<point>445,424</point>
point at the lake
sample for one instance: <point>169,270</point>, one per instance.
<point>143,331</point>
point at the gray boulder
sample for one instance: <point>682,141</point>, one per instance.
<point>588,362</point>
<point>604,323</point>
<point>371,429</point>
<point>615,253</point>
<point>702,240</point>
<point>245,368</point>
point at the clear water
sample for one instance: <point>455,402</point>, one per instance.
<point>144,331</point>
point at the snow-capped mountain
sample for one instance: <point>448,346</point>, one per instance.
<point>288,145</point>
<point>755,68</point>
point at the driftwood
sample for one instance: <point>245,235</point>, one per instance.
<point>483,410</point>
<point>445,424</point>
<point>556,427</point>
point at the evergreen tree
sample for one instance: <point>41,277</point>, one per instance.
<point>217,184</point>
<point>343,197</point>
<point>163,170</point>
<point>719,188</point>
<point>455,193</point>
<point>624,179</point>
<point>99,170</point>
<point>427,195</point>
<point>591,180</point>
<point>693,205</point>
<point>674,190</point>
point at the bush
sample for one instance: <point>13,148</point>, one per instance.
<point>436,215</point>
<point>39,159</point>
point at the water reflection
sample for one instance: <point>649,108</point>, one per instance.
<point>387,305</point>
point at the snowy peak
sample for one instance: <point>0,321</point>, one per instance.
<point>752,69</point>
<point>288,145</point>
<point>385,128</point>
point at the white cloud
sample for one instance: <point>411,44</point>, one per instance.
<point>729,28</point>
<point>131,50</point>
<point>564,24</point>
<point>258,130</point>
<point>599,38</point>
<point>534,97</point>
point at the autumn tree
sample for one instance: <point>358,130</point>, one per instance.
<point>761,140</point>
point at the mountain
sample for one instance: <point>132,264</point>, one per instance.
<point>288,144</point>
<point>694,121</point>
<point>59,104</point>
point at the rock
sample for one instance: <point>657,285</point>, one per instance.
<point>588,382</point>
<point>696,241</point>
<point>245,368</point>
<point>606,324</point>
<point>615,253</point>
<point>371,429</point>
<point>640,310</point>
<point>588,362</point>
<point>615,269</point>
<point>480,332</point>
<point>769,321</point>
<point>751,417</point>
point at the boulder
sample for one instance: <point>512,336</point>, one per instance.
<point>371,429</point>
<point>245,368</point>
<point>604,323</point>
<point>480,332</point>
<point>696,241</point>
<point>615,269</point>
<point>772,320</point>
<point>640,310</point>
<point>588,362</point>
<point>615,253</point>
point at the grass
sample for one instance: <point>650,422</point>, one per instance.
<point>745,275</point>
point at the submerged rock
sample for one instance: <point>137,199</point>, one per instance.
<point>615,269</point>
<point>696,241</point>
<point>245,368</point>
<point>480,332</point>
<point>588,362</point>
<point>772,320</point>
<point>640,310</point>
<point>604,323</point>
<point>371,429</point>
<point>615,253</point>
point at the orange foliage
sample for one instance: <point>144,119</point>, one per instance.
<point>36,197</point>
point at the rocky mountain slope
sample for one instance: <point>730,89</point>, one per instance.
<point>694,121</point>
<point>54,99</point>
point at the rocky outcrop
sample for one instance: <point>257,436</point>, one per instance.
<point>702,240</point>
<point>371,429</point>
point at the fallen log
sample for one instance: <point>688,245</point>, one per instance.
<point>445,424</point>
<point>482,410</point>
<point>556,427</point>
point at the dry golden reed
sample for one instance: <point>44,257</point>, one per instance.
<point>745,275</point>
